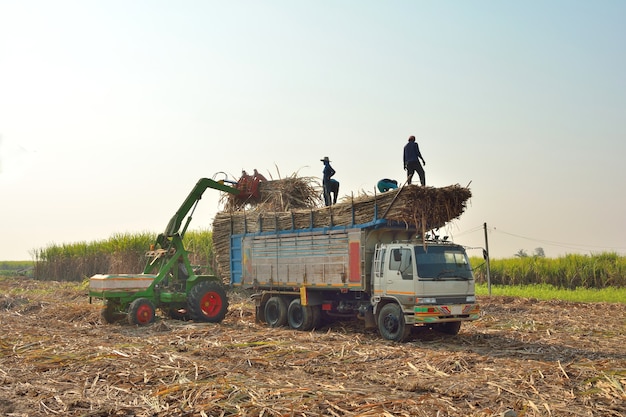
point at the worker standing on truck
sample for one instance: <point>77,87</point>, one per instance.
<point>411,161</point>
<point>326,182</point>
<point>334,189</point>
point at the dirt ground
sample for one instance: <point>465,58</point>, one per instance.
<point>522,358</point>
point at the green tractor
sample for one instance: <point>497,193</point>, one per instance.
<point>168,281</point>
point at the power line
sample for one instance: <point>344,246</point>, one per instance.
<point>555,243</point>
<point>477,228</point>
<point>574,246</point>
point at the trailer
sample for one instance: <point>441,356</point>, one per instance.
<point>386,273</point>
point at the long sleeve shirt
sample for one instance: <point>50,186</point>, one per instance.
<point>412,153</point>
<point>328,171</point>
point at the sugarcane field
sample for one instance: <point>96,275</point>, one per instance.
<point>270,338</point>
<point>312,208</point>
<point>522,357</point>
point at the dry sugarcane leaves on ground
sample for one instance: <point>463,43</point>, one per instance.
<point>537,358</point>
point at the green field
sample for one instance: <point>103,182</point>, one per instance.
<point>121,253</point>
<point>549,292</point>
<point>586,278</point>
<point>12,268</point>
<point>604,270</point>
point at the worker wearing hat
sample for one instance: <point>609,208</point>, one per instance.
<point>412,155</point>
<point>328,184</point>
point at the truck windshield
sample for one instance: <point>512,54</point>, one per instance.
<point>442,262</point>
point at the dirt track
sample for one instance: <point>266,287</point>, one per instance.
<point>536,358</point>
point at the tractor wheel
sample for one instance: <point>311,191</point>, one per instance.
<point>110,313</point>
<point>276,311</point>
<point>303,317</point>
<point>207,301</point>
<point>141,312</point>
<point>179,312</point>
<point>391,323</point>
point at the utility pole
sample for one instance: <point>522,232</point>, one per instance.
<point>486,256</point>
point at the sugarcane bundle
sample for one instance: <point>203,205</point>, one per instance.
<point>278,195</point>
<point>421,208</point>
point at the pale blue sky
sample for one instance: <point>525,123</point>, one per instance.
<point>110,111</point>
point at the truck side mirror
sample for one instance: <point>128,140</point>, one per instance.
<point>485,254</point>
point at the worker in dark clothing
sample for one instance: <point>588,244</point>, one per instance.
<point>411,157</point>
<point>326,183</point>
<point>334,189</point>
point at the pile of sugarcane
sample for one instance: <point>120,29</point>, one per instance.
<point>294,203</point>
<point>278,195</point>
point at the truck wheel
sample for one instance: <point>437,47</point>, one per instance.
<point>207,301</point>
<point>391,323</point>
<point>452,327</point>
<point>276,311</point>
<point>303,317</point>
<point>141,312</point>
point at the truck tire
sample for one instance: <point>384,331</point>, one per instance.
<point>303,317</point>
<point>391,324</point>
<point>207,302</point>
<point>276,311</point>
<point>141,312</point>
<point>452,327</point>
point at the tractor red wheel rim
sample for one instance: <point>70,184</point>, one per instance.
<point>144,314</point>
<point>211,304</point>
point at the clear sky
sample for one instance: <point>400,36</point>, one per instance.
<point>110,111</point>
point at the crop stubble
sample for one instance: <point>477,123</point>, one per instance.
<point>537,358</point>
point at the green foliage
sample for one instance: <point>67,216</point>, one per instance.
<point>550,292</point>
<point>572,271</point>
<point>13,268</point>
<point>121,253</point>
<point>200,245</point>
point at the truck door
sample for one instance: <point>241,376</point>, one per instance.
<point>378,271</point>
<point>398,275</point>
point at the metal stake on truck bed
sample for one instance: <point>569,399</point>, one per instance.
<point>395,197</point>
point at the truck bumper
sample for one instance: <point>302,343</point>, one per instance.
<point>424,314</point>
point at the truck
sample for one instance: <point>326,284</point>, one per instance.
<point>385,273</point>
<point>168,282</point>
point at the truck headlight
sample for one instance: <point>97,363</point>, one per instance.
<point>471,299</point>
<point>425,301</point>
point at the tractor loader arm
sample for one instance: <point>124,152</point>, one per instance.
<point>173,227</point>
